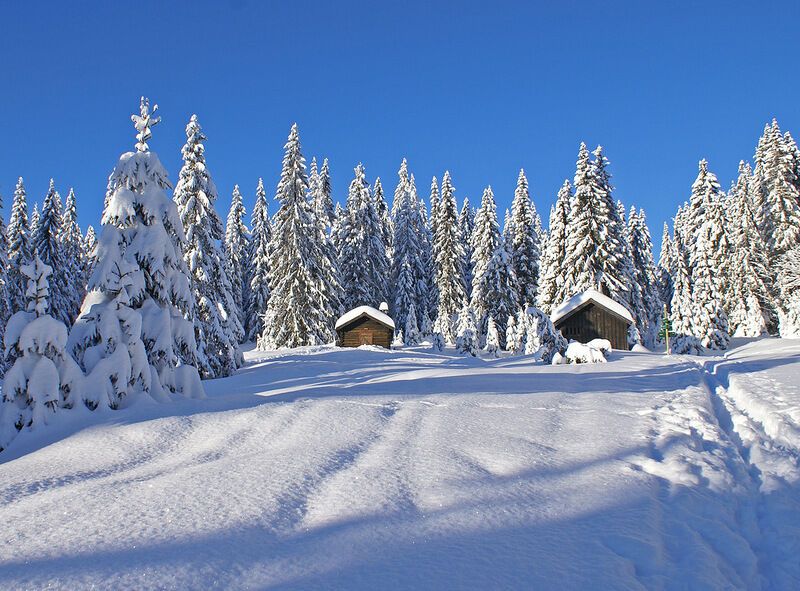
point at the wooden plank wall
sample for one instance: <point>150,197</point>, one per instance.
<point>594,322</point>
<point>350,335</point>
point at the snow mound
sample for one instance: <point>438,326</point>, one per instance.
<point>588,353</point>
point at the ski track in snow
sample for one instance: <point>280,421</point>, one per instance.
<point>362,469</point>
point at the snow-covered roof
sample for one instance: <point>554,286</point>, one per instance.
<point>590,295</point>
<point>356,313</point>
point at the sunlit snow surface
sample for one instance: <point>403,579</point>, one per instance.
<point>370,469</point>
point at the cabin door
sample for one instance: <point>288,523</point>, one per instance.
<point>365,336</point>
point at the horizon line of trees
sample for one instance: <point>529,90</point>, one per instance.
<point>167,293</point>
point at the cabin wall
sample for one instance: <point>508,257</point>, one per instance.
<point>595,322</point>
<point>365,329</point>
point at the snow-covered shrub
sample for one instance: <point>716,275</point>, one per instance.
<point>511,334</point>
<point>43,377</point>
<point>411,333</point>
<point>686,345</point>
<point>467,338</point>
<point>539,337</point>
<point>492,339</point>
<point>397,341</point>
<point>634,338</point>
<point>603,345</point>
<point>580,353</point>
<point>558,359</point>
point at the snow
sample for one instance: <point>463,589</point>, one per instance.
<point>585,353</point>
<point>592,295</point>
<point>377,315</point>
<point>328,468</point>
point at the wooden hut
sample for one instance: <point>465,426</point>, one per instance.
<point>365,326</point>
<point>592,315</point>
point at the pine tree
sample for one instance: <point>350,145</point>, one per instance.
<point>553,260</point>
<point>363,259</point>
<point>35,224</point>
<point>789,289</point>
<point>19,247</point>
<point>466,227</point>
<point>236,259</point>
<point>258,257</point>
<point>89,253</point>
<point>382,210</point>
<point>447,248</point>
<point>49,246</point>
<point>434,199</point>
<point>217,329</point>
<point>645,277</point>
<point>666,267</point>
<point>72,242</point>
<point>525,247</point>
<point>681,310</point>
<point>43,377</point>
<point>134,334</point>
<point>300,311</point>
<point>595,254</point>
<point>324,199</point>
<point>5,291</point>
<point>750,302</point>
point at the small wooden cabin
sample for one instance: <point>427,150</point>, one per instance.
<point>592,315</point>
<point>364,326</point>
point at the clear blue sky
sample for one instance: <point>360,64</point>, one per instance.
<point>481,89</point>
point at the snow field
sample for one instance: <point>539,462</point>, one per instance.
<point>362,469</point>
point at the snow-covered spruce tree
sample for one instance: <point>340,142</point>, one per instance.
<point>709,320</point>
<point>427,296</point>
<point>300,310</point>
<point>5,291</point>
<point>50,247</point>
<point>43,377</point>
<point>681,311</point>
<point>749,300</point>
<point>411,261</point>
<point>89,256</point>
<point>493,287</point>
<point>492,338</point>
<point>449,275</point>
<point>133,335</point>
<point>382,209</point>
<point>72,244</point>
<point>555,250</point>
<point>363,260</point>
<point>236,259</point>
<point>467,332</point>
<point>411,330</point>
<point>35,224</point>
<point>324,197</point>
<point>666,268</point>
<point>217,330</point>
<point>19,247</point>
<point>789,286</point>
<point>595,254</point>
<point>258,259</point>
<point>435,201</point>
<point>466,226</point>
<point>644,275</point>
<point>525,247</point>
<point>511,334</point>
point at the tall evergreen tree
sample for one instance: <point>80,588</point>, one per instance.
<point>49,246</point>
<point>466,227</point>
<point>382,210</point>
<point>666,267</point>
<point>525,247</point>
<point>134,334</point>
<point>447,249</point>
<point>236,259</point>
<point>645,276</point>
<point>553,260</point>
<point>324,198</point>
<point>89,252</point>
<point>72,245</point>
<point>5,292</point>
<point>217,329</point>
<point>19,246</point>
<point>258,257</point>
<point>35,224</point>
<point>363,259</point>
<point>299,311</point>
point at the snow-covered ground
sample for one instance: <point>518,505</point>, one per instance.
<point>368,469</point>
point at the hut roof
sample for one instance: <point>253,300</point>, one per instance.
<point>357,313</point>
<point>579,300</point>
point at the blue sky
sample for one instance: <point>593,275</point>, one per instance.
<point>478,88</point>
